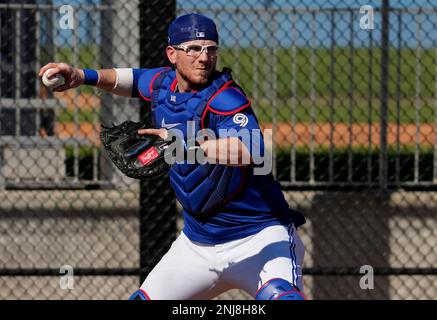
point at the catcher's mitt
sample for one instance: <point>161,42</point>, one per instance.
<point>137,156</point>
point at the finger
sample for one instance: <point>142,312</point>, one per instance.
<point>150,131</point>
<point>46,67</point>
<point>54,71</point>
<point>61,68</point>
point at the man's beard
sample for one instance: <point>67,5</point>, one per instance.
<point>198,85</point>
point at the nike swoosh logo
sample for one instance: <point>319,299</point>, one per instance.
<point>168,125</point>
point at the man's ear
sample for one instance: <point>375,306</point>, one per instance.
<point>171,54</point>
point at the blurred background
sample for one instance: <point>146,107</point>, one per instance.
<point>351,97</point>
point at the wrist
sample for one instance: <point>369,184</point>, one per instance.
<point>81,76</point>
<point>90,76</point>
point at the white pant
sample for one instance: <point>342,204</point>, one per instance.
<point>192,270</point>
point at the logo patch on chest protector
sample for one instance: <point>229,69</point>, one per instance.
<point>168,125</point>
<point>240,119</point>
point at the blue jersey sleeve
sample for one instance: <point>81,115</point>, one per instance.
<point>245,126</point>
<point>143,79</point>
<point>136,75</point>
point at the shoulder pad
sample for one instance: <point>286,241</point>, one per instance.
<point>230,100</point>
<point>145,81</point>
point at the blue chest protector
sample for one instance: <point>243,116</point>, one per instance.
<point>199,188</point>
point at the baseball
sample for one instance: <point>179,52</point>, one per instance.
<point>54,81</point>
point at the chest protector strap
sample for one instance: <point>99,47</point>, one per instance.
<point>200,189</point>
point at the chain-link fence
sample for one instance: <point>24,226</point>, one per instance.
<point>350,93</point>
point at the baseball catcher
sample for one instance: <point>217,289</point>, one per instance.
<point>239,231</point>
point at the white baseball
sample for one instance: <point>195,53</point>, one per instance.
<point>54,81</point>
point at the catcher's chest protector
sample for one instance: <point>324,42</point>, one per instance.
<point>199,188</point>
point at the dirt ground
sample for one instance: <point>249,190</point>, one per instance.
<point>320,133</point>
<point>342,135</point>
<point>358,134</point>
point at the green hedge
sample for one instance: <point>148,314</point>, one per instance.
<point>341,158</point>
<point>360,164</point>
<point>85,157</point>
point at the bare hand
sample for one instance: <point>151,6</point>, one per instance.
<point>74,77</point>
<point>162,133</point>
